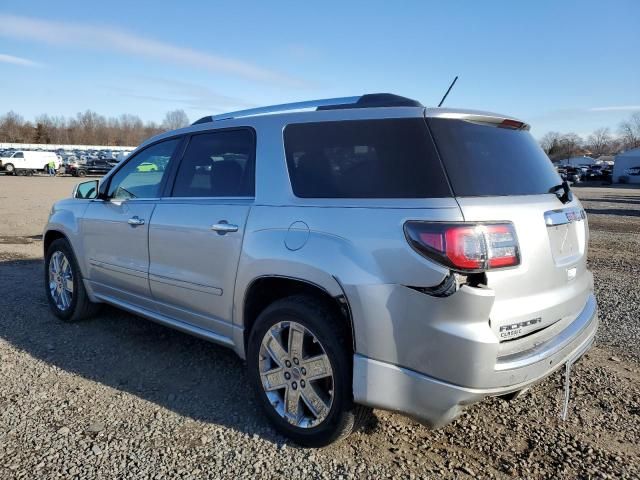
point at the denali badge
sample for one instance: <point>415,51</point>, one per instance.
<point>575,215</point>
<point>515,329</point>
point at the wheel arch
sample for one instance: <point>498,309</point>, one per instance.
<point>50,236</point>
<point>266,289</point>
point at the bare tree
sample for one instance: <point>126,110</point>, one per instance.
<point>11,127</point>
<point>86,128</point>
<point>550,141</point>
<point>175,119</point>
<point>630,132</point>
<point>600,142</point>
<point>560,146</point>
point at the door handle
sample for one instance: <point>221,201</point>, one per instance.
<point>223,227</point>
<point>135,221</point>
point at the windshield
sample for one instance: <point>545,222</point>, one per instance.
<point>485,160</point>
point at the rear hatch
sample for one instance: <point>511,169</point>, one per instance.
<point>498,173</point>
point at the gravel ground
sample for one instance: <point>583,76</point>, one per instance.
<point>120,397</point>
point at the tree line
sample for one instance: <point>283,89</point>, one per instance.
<point>90,128</point>
<point>559,146</point>
<point>87,128</point>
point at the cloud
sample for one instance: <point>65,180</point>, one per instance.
<point>187,95</point>
<point>301,52</point>
<point>23,62</point>
<point>617,108</point>
<point>104,38</point>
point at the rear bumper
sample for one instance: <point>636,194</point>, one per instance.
<point>436,402</point>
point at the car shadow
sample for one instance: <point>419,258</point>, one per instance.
<point>621,200</point>
<point>19,239</point>
<point>176,371</point>
<point>624,212</point>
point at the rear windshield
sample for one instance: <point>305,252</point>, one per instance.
<point>392,158</point>
<point>484,160</point>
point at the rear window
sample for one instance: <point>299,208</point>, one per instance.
<point>484,160</point>
<point>392,158</point>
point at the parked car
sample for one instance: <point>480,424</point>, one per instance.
<point>147,167</point>
<point>562,171</point>
<point>574,174</point>
<point>121,156</point>
<point>369,252</point>
<point>90,167</point>
<point>26,162</point>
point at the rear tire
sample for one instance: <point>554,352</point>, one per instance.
<point>67,297</point>
<point>323,336</point>
<point>81,173</point>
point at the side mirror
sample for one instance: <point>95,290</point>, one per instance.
<point>86,190</point>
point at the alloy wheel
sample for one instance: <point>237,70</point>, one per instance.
<point>60,280</point>
<point>296,374</point>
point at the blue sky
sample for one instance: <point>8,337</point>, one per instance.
<point>567,66</point>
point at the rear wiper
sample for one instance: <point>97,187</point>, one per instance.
<point>563,192</point>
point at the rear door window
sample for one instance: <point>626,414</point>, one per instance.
<point>486,160</point>
<point>391,158</point>
<point>217,164</point>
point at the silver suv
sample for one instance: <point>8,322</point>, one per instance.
<point>357,252</point>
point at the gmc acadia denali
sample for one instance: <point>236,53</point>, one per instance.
<point>357,252</point>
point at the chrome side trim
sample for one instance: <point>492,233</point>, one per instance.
<point>116,268</point>
<point>169,322</point>
<point>554,345</point>
<point>187,285</point>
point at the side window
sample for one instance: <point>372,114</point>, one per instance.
<point>217,164</point>
<point>142,175</point>
<point>18,155</point>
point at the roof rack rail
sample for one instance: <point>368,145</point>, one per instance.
<point>370,100</point>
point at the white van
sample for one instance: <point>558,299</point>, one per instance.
<point>25,162</point>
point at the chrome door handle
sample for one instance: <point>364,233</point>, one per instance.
<point>223,227</point>
<point>135,221</point>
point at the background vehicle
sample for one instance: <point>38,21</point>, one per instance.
<point>26,162</point>
<point>90,167</point>
<point>368,253</point>
<point>574,174</point>
<point>147,167</point>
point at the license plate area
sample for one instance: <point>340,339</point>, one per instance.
<point>567,234</point>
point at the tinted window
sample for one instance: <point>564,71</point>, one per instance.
<point>18,155</point>
<point>364,159</point>
<point>484,160</point>
<point>217,164</point>
<point>142,175</point>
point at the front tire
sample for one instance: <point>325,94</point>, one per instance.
<point>67,297</point>
<point>300,366</point>
<point>9,168</point>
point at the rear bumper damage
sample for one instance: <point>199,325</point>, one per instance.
<point>436,402</point>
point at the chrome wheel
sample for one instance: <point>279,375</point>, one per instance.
<point>296,374</point>
<point>60,280</point>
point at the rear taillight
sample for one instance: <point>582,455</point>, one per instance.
<point>466,247</point>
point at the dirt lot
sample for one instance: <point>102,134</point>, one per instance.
<point>120,397</point>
